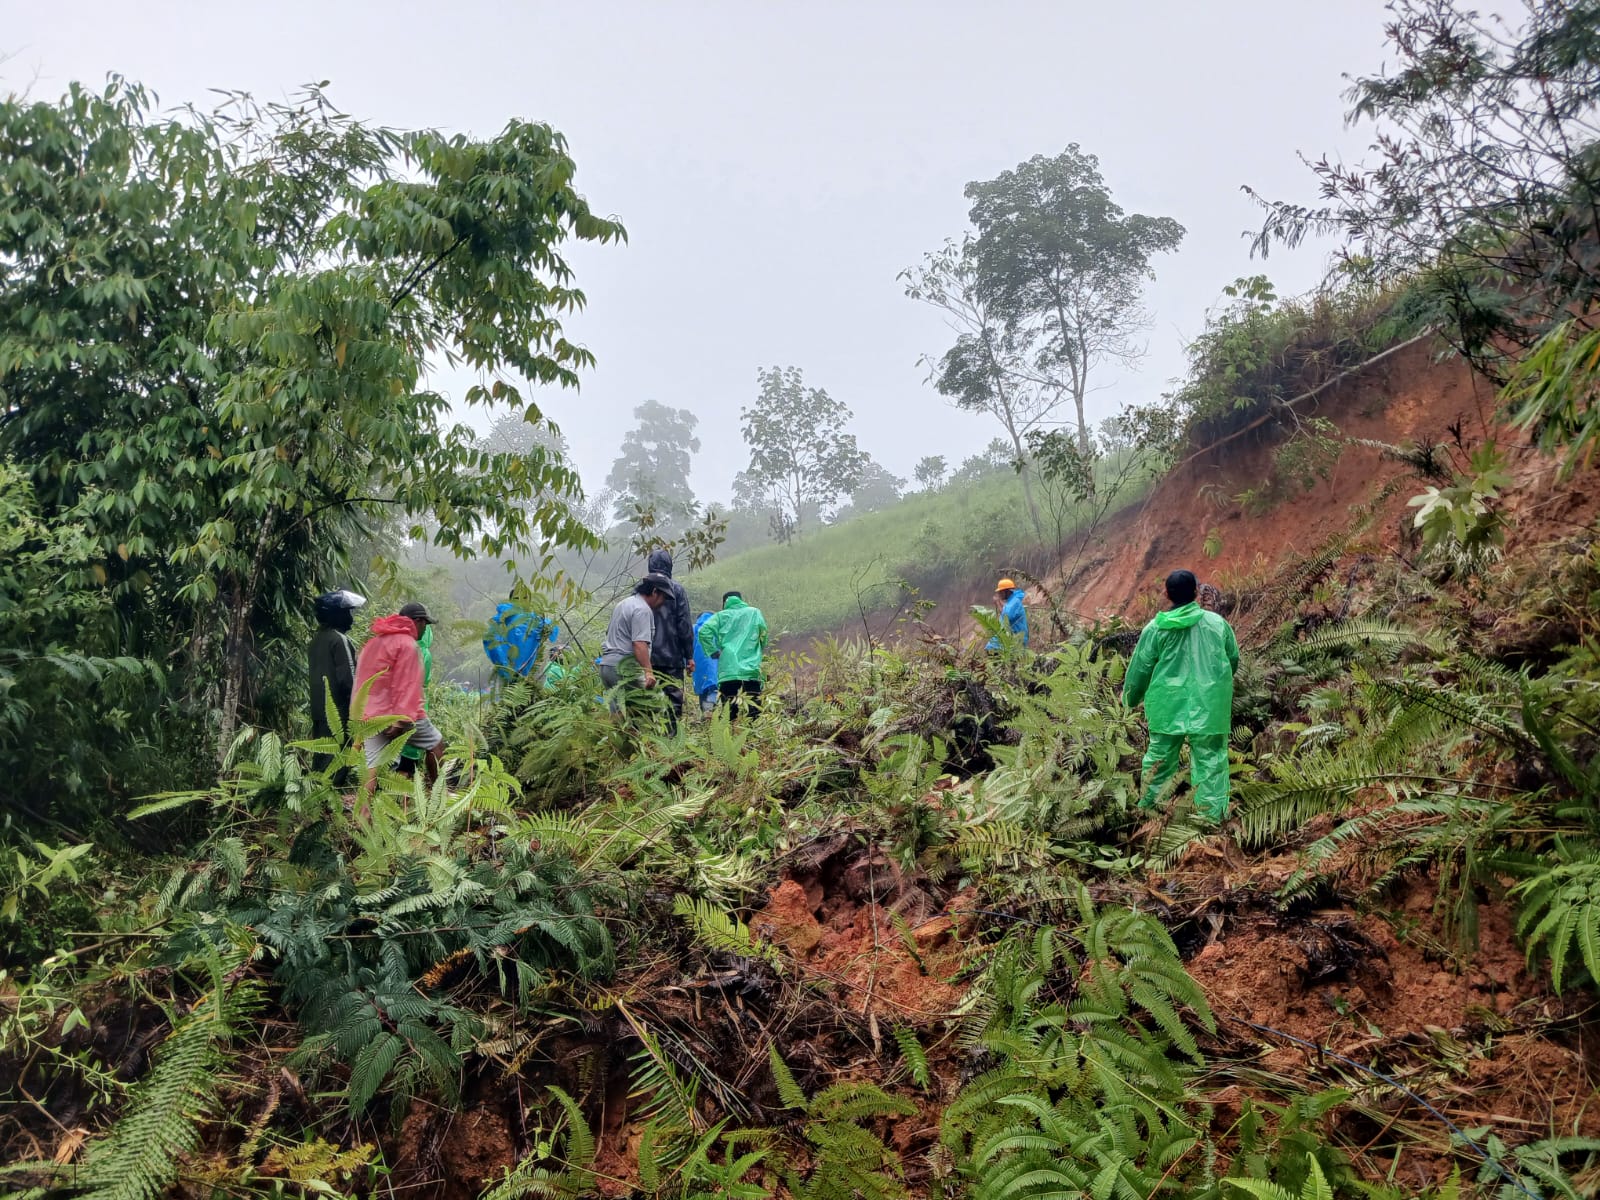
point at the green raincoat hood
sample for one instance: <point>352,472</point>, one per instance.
<point>1182,672</point>
<point>1179,618</point>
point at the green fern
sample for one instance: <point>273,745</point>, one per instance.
<point>1315,1187</point>
<point>914,1056</point>
<point>1361,637</point>
<point>724,933</point>
<point>1560,911</point>
<point>788,1090</point>
<point>675,1165</point>
<point>657,1081</point>
<point>1542,1162</point>
<point>1088,1099</point>
<point>572,1179</point>
<point>848,1160</point>
<point>1001,842</point>
<point>140,1156</point>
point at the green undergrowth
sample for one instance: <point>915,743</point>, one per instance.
<point>580,902</point>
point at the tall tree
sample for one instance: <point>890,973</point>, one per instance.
<point>930,472</point>
<point>652,471</point>
<point>800,455</point>
<point>876,488</point>
<point>997,365</point>
<point>1063,267</point>
<point>215,330</point>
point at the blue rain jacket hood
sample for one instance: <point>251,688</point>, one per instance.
<point>705,667</point>
<point>514,639</point>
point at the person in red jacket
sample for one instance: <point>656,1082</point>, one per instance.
<point>390,659</point>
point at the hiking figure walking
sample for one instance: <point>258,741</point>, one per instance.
<point>1008,606</point>
<point>391,660</point>
<point>332,662</point>
<point>625,654</point>
<point>736,638</point>
<point>1182,670</point>
<point>673,647</point>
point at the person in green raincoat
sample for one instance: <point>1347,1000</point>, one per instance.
<point>1182,671</point>
<point>736,638</point>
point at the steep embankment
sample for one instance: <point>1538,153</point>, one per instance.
<point>1216,500</point>
<point>1205,503</point>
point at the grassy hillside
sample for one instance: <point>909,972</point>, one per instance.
<point>962,533</point>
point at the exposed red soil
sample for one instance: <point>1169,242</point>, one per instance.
<point>448,1156</point>
<point>1478,1036</point>
<point>1289,977</point>
<point>1410,396</point>
<point>846,934</point>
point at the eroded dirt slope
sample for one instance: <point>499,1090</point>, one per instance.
<point>1412,397</point>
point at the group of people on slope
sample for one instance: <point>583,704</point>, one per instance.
<point>650,648</point>
<point>1181,671</point>
<point>394,667</point>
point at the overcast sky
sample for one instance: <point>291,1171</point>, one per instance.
<point>777,164</point>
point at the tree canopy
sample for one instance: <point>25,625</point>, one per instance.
<point>652,470</point>
<point>1062,267</point>
<point>216,330</point>
<point>801,458</point>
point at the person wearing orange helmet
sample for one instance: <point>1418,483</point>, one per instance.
<point>1008,603</point>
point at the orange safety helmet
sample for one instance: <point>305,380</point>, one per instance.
<point>1006,585</point>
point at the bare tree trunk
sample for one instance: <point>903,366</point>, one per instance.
<point>1025,469</point>
<point>236,644</point>
<point>1078,364</point>
<point>1007,418</point>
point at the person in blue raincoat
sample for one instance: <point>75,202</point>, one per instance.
<point>705,670</point>
<point>1008,604</point>
<point>515,639</point>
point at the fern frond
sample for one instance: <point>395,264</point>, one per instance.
<point>573,1180</point>
<point>723,932</point>
<point>1561,912</point>
<point>788,1090</point>
<point>1363,635</point>
<point>914,1056</point>
<point>656,1079</point>
<point>139,1157</point>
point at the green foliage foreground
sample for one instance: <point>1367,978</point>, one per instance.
<point>527,921</point>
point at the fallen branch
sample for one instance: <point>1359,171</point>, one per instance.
<point>1304,396</point>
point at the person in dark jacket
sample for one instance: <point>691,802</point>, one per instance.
<point>332,674</point>
<point>673,649</point>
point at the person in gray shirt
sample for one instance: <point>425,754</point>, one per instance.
<point>625,653</point>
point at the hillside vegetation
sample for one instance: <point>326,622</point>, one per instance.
<point>906,934</point>
<point>960,535</point>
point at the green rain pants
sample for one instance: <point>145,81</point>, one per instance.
<point>1208,769</point>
